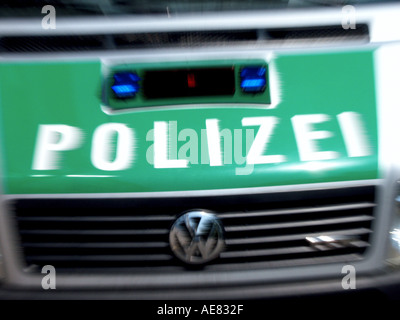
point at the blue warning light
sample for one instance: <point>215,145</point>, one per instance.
<point>253,79</point>
<point>126,85</point>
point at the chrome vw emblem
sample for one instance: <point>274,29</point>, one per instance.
<point>197,237</point>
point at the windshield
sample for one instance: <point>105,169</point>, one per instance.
<point>13,8</point>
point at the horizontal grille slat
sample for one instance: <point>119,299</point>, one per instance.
<point>270,252</point>
<point>94,232</point>
<point>299,210</point>
<point>299,224</point>
<point>95,219</point>
<point>282,262</point>
<point>97,245</point>
<point>159,257</point>
<point>274,252</point>
<point>133,234</point>
<point>300,236</point>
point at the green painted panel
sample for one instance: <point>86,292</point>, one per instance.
<point>313,88</point>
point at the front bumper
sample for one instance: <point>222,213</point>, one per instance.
<point>383,285</point>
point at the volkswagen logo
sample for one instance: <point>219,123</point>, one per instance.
<point>197,237</point>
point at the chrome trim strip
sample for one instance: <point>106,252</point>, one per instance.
<point>378,14</point>
<point>200,193</point>
<point>188,22</point>
<point>111,111</point>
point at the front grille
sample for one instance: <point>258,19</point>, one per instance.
<point>262,230</point>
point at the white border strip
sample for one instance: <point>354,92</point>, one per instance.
<point>387,77</point>
<point>200,193</point>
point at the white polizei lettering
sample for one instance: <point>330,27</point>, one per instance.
<point>306,137</point>
<point>354,134</point>
<point>161,148</point>
<point>214,142</point>
<point>259,146</point>
<point>113,144</point>
<point>102,147</point>
<point>51,139</point>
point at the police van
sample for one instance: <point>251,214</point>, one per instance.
<point>199,149</point>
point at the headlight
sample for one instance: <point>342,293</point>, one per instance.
<point>394,236</point>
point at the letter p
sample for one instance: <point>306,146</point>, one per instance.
<point>52,139</point>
